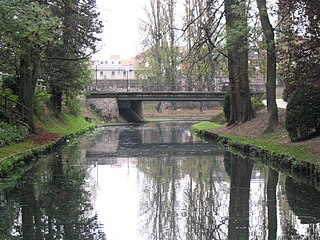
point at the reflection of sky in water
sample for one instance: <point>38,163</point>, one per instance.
<point>117,201</point>
<point>202,188</point>
<point>122,196</point>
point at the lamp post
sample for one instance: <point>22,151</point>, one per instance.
<point>96,75</point>
<point>128,87</point>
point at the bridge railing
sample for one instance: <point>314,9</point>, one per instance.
<point>13,110</point>
<point>117,86</point>
<point>125,85</point>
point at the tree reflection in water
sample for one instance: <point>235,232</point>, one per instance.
<point>162,201</point>
<point>239,171</point>
<point>272,182</point>
<point>206,199</point>
<point>54,204</point>
<point>183,198</point>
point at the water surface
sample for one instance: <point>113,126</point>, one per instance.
<point>155,181</point>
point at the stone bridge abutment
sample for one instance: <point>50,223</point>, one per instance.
<point>114,110</point>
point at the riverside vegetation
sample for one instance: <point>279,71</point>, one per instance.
<point>18,147</point>
<point>250,135</point>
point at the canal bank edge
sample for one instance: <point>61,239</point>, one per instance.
<point>303,171</point>
<point>21,161</point>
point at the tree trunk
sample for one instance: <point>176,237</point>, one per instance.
<point>29,66</point>
<point>271,66</point>
<point>272,203</point>
<point>237,39</point>
<point>56,100</point>
<point>240,171</point>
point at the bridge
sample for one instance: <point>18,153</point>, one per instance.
<point>160,96</point>
<point>131,94</point>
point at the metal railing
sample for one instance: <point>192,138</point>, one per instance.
<point>129,85</point>
<point>14,110</point>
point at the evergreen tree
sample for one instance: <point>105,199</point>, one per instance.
<point>27,29</point>
<point>67,61</point>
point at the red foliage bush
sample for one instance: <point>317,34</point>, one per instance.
<point>43,137</point>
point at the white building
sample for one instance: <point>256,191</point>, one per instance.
<point>113,68</point>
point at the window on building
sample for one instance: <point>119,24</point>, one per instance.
<point>101,62</point>
<point>112,62</point>
<point>113,73</point>
<point>119,62</point>
<point>106,62</point>
<point>101,73</point>
<point>124,73</point>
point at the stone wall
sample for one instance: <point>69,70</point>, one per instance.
<point>107,107</point>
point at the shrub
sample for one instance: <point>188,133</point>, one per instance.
<point>41,99</point>
<point>73,106</point>
<point>226,107</point>
<point>9,94</point>
<point>11,82</point>
<point>219,118</point>
<point>257,103</point>
<point>9,134</point>
<point>303,114</point>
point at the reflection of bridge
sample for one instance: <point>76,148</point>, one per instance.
<point>159,150</point>
<point>130,95</point>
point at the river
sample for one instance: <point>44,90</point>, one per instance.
<point>155,181</point>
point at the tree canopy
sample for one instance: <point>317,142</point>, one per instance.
<point>51,40</point>
<point>219,39</point>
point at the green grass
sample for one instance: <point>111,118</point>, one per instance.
<point>69,125</point>
<point>269,142</point>
<point>16,148</point>
<point>204,126</point>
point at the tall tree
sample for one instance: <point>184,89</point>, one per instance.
<point>237,46</point>
<point>202,34</point>
<point>67,61</point>
<point>159,61</point>
<point>172,52</point>
<point>268,33</point>
<point>27,28</point>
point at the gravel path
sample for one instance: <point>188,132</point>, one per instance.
<point>280,103</point>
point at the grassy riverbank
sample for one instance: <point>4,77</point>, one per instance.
<point>251,134</point>
<point>48,133</point>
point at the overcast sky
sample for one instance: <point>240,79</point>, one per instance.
<point>121,21</point>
